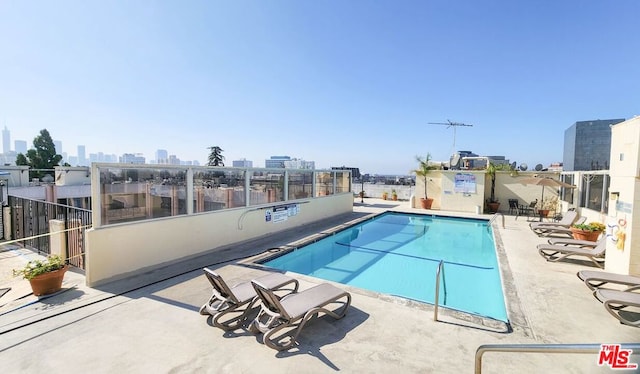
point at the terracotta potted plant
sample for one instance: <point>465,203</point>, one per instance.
<point>587,231</point>
<point>394,195</point>
<point>45,276</point>
<point>423,170</point>
<point>546,206</point>
<point>385,195</point>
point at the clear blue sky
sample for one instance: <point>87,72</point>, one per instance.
<point>350,83</point>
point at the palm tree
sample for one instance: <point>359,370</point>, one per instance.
<point>215,156</point>
<point>424,168</point>
<point>491,170</point>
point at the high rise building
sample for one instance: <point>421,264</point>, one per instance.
<point>20,146</point>
<point>242,163</point>
<point>6,140</point>
<point>130,158</point>
<point>58,145</point>
<point>82,159</point>
<point>162,156</point>
<point>587,145</point>
<point>276,161</point>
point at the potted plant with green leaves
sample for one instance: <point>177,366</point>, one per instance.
<point>423,170</point>
<point>394,195</point>
<point>493,203</point>
<point>45,276</point>
<point>587,231</point>
<point>385,195</point>
<point>547,205</point>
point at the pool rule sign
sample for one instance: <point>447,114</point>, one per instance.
<point>281,213</point>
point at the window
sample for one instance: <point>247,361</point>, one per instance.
<point>567,193</point>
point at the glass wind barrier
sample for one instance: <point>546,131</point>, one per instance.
<point>132,194</point>
<point>140,192</point>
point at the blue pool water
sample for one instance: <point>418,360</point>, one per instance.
<point>398,254</point>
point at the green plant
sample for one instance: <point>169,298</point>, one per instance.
<point>491,170</point>
<point>423,170</point>
<point>394,193</point>
<point>591,226</point>
<point>550,203</point>
<point>34,268</point>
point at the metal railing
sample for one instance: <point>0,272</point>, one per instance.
<point>30,220</point>
<point>437,296</point>
<point>493,218</point>
<point>542,348</point>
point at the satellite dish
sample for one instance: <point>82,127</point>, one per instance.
<point>538,167</point>
<point>523,167</point>
<point>513,165</point>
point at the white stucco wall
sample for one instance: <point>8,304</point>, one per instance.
<point>625,174</point>
<point>442,190</point>
<point>117,251</point>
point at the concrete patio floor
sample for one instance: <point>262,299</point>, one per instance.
<point>150,323</point>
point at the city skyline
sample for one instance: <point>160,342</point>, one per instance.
<point>341,83</point>
<point>162,156</point>
<point>81,158</point>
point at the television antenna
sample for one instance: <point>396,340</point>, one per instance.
<point>451,124</point>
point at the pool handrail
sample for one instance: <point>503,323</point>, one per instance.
<point>493,218</point>
<point>437,295</point>
<point>542,348</point>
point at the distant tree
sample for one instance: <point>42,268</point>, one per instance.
<point>215,156</point>
<point>21,160</point>
<point>43,154</point>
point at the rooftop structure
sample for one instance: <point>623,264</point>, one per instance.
<point>587,145</point>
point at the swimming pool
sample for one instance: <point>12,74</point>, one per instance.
<point>398,254</point>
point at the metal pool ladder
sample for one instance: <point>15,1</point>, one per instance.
<point>493,218</point>
<point>435,302</point>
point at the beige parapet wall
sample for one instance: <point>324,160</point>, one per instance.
<point>623,243</point>
<point>118,251</point>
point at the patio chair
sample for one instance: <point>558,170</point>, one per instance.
<point>292,312</point>
<point>554,253</point>
<point>596,279</point>
<point>567,220</point>
<point>615,300</point>
<point>513,206</point>
<point>527,210</point>
<point>239,299</point>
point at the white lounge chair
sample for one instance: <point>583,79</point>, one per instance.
<point>555,253</point>
<point>240,298</point>
<point>560,227</point>
<point>290,314</point>
<point>615,301</point>
<point>596,279</point>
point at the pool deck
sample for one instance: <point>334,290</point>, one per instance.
<point>150,323</point>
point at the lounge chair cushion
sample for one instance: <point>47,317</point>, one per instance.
<point>597,279</point>
<point>614,301</point>
<point>240,298</point>
<point>555,253</point>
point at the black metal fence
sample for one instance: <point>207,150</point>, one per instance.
<point>30,220</point>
